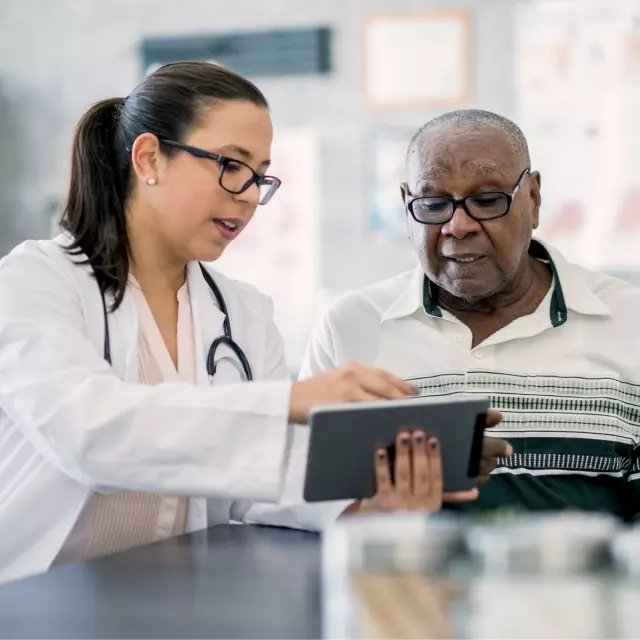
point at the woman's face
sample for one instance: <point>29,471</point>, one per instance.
<point>187,210</point>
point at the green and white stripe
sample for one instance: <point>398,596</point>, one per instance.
<point>579,429</point>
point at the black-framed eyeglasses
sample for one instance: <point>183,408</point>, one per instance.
<point>235,176</point>
<point>487,205</point>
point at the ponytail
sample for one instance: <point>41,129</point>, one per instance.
<point>94,212</point>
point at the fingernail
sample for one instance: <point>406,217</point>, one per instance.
<point>433,444</point>
<point>509,451</point>
<point>418,437</point>
<point>404,440</point>
<point>416,390</point>
<point>381,453</point>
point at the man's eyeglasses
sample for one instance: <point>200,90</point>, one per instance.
<point>488,205</point>
<point>235,176</point>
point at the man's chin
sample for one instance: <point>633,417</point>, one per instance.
<point>468,291</point>
<point>472,297</point>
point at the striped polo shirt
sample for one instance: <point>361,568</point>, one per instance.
<point>566,379</point>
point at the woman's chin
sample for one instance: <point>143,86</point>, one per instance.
<point>208,251</point>
<point>209,255</point>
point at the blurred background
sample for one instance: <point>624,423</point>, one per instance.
<point>348,82</point>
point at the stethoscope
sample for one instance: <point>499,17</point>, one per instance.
<point>225,339</point>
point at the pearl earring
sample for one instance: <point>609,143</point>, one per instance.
<point>152,182</point>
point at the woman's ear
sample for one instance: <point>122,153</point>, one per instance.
<point>147,159</point>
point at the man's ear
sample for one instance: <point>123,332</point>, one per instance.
<point>404,189</point>
<point>536,198</point>
<point>404,192</point>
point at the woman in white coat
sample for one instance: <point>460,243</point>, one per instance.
<point>124,401</point>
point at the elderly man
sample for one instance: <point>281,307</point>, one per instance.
<point>493,312</point>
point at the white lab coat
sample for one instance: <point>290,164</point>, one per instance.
<point>70,424</point>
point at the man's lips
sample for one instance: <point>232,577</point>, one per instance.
<point>465,258</point>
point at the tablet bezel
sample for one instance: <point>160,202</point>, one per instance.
<point>343,439</point>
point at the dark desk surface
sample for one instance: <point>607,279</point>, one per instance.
<point>225,582</point>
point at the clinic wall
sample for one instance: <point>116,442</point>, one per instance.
<point>57,57</point>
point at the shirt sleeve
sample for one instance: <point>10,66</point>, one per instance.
<point>320,355</point>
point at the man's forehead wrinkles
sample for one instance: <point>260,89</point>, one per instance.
<point>481,167</point>
<point>433,173</point>
<point>469,167</point>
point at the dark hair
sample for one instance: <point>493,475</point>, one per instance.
<point>167,103</point>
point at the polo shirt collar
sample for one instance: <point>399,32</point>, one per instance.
<point>571,291</point>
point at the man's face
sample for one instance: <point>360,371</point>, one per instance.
<point>471,259</point>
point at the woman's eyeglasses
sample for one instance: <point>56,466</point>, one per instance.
<point>235,176</point>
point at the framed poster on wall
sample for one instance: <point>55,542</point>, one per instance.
<point>577,99</point>
<point>385,152</point>
<point>418,60</point>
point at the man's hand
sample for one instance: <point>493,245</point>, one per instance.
<point>492,448</point>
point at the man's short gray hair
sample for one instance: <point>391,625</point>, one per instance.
<point>478,118</point>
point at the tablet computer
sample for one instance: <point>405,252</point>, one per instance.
<point>343,440</point>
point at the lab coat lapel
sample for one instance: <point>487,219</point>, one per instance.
<point>124,326</point>
<point>207,319</point>
<point>122,323</point>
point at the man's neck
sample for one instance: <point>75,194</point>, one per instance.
<point>487,316</point>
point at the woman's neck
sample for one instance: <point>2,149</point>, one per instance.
<point>153,264</point>
<point>157,278</point>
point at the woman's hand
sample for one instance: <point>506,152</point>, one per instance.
<point>417,484</point>
<point>349,383</point>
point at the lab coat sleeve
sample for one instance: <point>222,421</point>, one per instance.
<point>228,441</point>
<point>292,510</point>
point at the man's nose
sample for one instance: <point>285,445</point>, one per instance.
<point>461,224</point>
